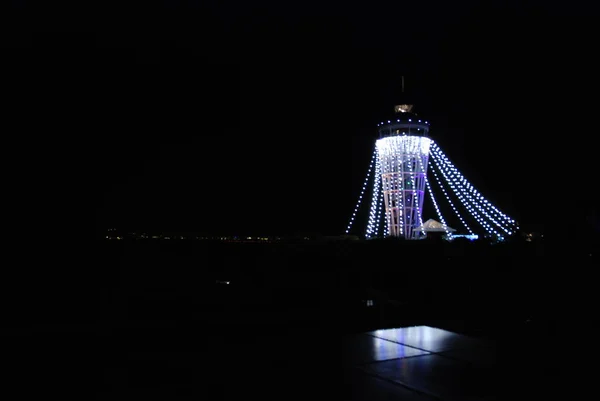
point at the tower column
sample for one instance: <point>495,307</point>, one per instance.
<point>403,150</point>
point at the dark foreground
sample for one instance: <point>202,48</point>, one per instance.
<point>158,321</point>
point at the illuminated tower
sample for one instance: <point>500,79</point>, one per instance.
<point>403,153</point>
<point>398,170</point>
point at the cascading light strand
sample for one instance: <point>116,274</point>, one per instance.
<point>506,220</point>
<point>462,200</point>
<point>374,199</point>
<point>463,186</point>
<point>362,191</point>
<point>480,204</point>
<point>432,163</point>
<point>415,196</point>
<point>380,198</point>
<point>443,169</point>
<point>452,174</point>
<point>437,209</point>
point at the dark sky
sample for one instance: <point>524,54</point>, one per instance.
<point>250,117</point>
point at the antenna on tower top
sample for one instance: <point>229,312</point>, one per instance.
<point>403,108</point>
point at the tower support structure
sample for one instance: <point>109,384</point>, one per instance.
<point>403,154</point>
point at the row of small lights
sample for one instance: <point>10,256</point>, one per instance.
<point>437,209</point>
<point>467,189</point>
<point>414,194</point>
<point>389,122</point>
<point>478,206</point>
<point>449,200</point>
<point>451,170</point>
<point>460,191</point>
<point>462,181</point>
<point>413,179</point>
<point>384,186</point>
<point>399,204</point>
<point>399,193</point>
<point>375,204</point>
<point>471,189</point>
<point>373,218</point>
<point>459,194</point>
<point>388,213</point>
<point>362,191</point>
<point>380,200</point>
<point>372,212</point>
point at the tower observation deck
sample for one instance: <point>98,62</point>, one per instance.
<point>403,153</point>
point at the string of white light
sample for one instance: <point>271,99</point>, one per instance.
<point>374,199</point>
<point>362,191</point>
<point>403,186</point>
<point>386,227</point>
<point>396,186</point>
<point>479,199</point>
<point>483,205</point>
<point>385,186</point>
<point>437,209</point>
<point>415,196</point>
<point>464,223</point>
<point>380,199</point>
<point>461,198</point>
<point>452,173</point>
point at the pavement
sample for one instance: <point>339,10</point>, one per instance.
<point>411,363</point>
<point>172,361</point>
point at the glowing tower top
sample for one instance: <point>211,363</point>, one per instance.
<point>403,108</point>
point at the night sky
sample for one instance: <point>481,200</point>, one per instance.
<point>254,118</point>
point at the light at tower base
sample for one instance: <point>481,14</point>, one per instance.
<point>403,153</point>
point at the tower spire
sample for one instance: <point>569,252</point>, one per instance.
<point>403,108</point>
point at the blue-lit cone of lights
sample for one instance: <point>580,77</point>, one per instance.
<point>490,218</point>
<point>403,168</point>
